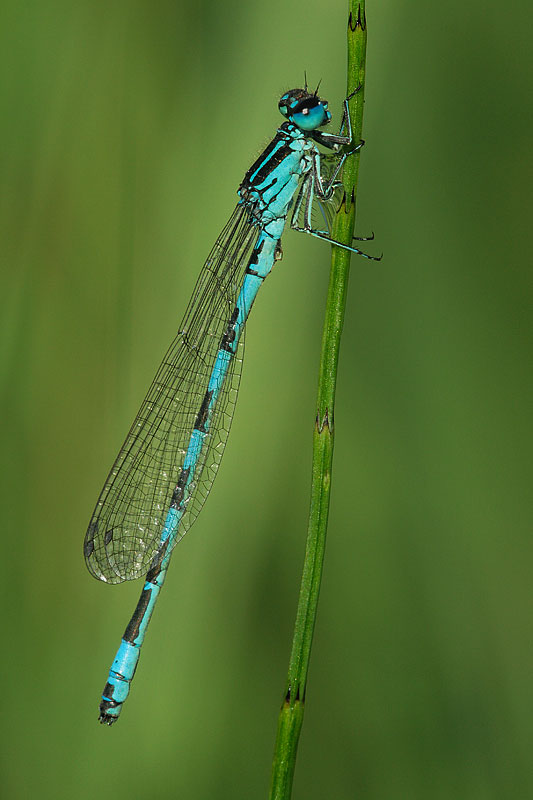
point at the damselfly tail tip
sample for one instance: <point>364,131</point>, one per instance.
<point>106,719</point>
<point>109,711</point>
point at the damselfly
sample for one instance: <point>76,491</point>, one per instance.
<point>166,466</point>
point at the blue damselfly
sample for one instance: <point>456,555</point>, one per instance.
<point>166,466</point>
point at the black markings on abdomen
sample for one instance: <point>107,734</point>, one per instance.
<point>155,566</point>
<point>132,631</point>
<point>229,336</point>
<point>254,260</point>
<point>179,491</point>
<point>201,419</point>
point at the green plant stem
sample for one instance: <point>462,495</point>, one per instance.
<point>291,714</point>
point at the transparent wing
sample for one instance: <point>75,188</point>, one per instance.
<point>126,525</point>
<point>323,211</point>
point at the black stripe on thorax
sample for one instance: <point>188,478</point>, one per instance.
<point>268,160</point>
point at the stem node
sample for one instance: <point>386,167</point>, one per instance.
<point>291,714</point>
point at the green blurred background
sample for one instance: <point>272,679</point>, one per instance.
<point>126,128</point>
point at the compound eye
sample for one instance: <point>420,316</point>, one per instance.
<point>308,117</point>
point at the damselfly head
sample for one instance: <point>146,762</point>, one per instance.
<point>306,110</point>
